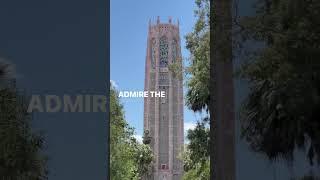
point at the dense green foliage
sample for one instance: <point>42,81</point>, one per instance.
<point>198,43</point>
<point>129,159</point>
<point>196,155</point>
<point>21,155</point>
<point>200,171</point>
<point>282,109</point>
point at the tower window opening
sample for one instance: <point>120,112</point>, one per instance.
<point>164,166</point>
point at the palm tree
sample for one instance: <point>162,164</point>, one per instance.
<point>281,113</point>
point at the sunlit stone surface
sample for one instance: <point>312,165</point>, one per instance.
<point>163,117</point>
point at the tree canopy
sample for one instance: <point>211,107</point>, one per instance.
<point>129,159</point>
<point>21,155</point>
<point>196,154</point>
<point>282,109</point>
<point>198,43</point>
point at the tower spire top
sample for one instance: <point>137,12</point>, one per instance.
<point>158,20</point>
<point>170,19</point>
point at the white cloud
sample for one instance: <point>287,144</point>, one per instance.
<point>189,125</point>
<point>113,83</point>
<point>138,138</point>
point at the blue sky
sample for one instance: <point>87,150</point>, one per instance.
<point>129,27</point>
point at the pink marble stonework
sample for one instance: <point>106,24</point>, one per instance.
<point>163,117</point>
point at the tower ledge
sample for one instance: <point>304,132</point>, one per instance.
<point>167,23</point>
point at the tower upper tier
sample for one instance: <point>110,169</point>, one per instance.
<point>163,27</point>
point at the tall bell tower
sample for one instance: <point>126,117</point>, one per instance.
<point>163,117</point>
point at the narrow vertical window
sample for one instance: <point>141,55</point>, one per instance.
<point>153,53</point>
<point>163,52</point>
<point>174,51</point>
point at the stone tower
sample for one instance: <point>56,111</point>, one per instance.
<point>163,117</point>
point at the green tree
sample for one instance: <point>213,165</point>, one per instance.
<point>143,159</point>
<point>282,109</point>
<point>214,71</point>
<point>21,155</point>
<point>198,43</point>
<point>196,156</point>
<point>129,159</point>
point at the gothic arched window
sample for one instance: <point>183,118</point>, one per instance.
<point>153,53</point>
<point>163,52</point>
<point>174,50</point>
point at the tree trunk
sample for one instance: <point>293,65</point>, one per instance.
<point>222,99</point>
